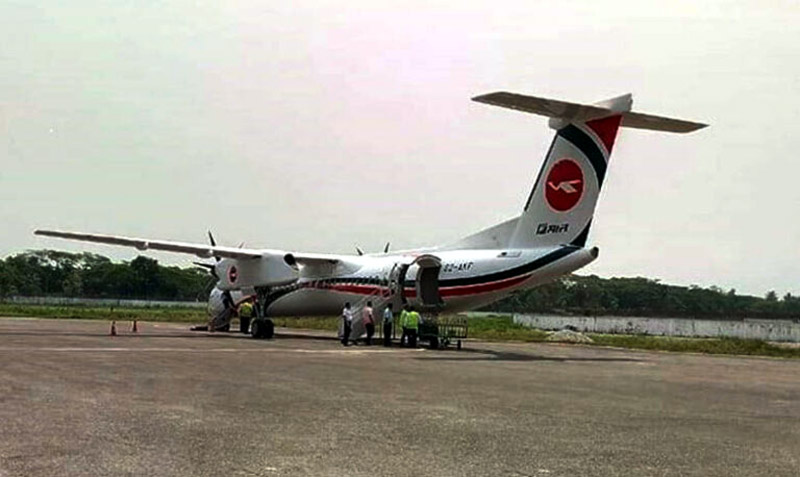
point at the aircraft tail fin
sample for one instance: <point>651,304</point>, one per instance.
<point>560,207</point>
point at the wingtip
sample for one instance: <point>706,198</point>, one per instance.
<point>481,98</point>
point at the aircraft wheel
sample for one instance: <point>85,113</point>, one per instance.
<point>434,343</point>
<point>269,329</point>
<point>255,329</point>
<point>262,329</point>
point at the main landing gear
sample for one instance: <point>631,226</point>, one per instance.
<point>262,327</point>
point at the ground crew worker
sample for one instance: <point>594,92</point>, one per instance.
<point>403,319</point>
<point>412,323</point>
<point>347,324</point>
<point>245,315</point>
<point>388,320</point>
<point>369,322</point>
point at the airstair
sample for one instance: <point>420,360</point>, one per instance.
<point>380,299</point>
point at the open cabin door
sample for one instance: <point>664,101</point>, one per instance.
<point>421,273</point>
<point>427,281</point>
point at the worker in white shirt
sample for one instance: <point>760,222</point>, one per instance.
<point>347,324</point>
<point>388,321</point>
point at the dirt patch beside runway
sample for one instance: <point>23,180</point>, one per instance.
<point>74,401</point>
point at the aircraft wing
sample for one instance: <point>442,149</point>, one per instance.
<point>200,250</point>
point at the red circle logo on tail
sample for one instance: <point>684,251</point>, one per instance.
<point>233,274</point>
<point>563,188</point>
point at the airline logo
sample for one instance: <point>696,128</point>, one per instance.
<point>233,274</point>
<point>564,186</point>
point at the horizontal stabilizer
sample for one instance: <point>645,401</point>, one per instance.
<point>563,110</point>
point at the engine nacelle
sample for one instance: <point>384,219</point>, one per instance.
<point>269,270</point>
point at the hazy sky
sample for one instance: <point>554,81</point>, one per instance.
<point>317,126</point>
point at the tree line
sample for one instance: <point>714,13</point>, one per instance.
<point>595,296</point>
<point>89,275</point>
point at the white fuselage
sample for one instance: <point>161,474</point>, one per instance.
<point>467,279</point>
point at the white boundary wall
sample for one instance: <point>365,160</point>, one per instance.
<point>767,330</point>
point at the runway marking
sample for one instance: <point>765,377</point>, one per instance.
<point>207,350</point>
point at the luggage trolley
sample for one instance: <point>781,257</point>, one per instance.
<point>441,331</point>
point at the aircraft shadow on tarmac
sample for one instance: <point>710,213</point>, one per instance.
<point>474,354</point>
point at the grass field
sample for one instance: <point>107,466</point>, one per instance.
<point>494,328</point>
<point>180,315</point>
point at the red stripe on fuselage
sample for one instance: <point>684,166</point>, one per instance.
<point>482,287</point>
<point>463,290</point>
<point>356,289</point>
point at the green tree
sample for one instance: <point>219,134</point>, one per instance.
<point>771,296</point>
<point>73,284</point>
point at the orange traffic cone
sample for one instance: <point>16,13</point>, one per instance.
<point>135,328</point>
<point>113,328</point>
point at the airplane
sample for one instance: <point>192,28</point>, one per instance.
<point>546,241</point>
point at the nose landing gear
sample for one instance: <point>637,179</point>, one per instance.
<point>262,327</point>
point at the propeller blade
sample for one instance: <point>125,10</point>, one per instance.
<point>203,295</point>
<point>208,266</point>
<point>386,248</point>
<point>213,244</point>
<point>360,252</point>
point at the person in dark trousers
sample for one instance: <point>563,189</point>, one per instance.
<point>347,324</point>
<point>388,321</point>
<point>403,319</point>
<point>368,319</point>
<point>246,311</point>
<point>412,324</point>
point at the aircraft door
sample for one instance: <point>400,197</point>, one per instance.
<point>397,277</point>
<point>427,281</point>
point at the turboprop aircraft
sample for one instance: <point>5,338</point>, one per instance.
<point>546,241</point>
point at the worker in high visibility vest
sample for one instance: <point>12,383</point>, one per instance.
<point>403,319</point>
<point>245,316</point>
<point>412,323</point>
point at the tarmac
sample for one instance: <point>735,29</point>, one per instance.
<point>167,401</point>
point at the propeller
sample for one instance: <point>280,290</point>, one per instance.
<point>208,266</point>
<point>203,295</point>
<point>212,269</point>
<point>385,249</point>
<point>213,244</point>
